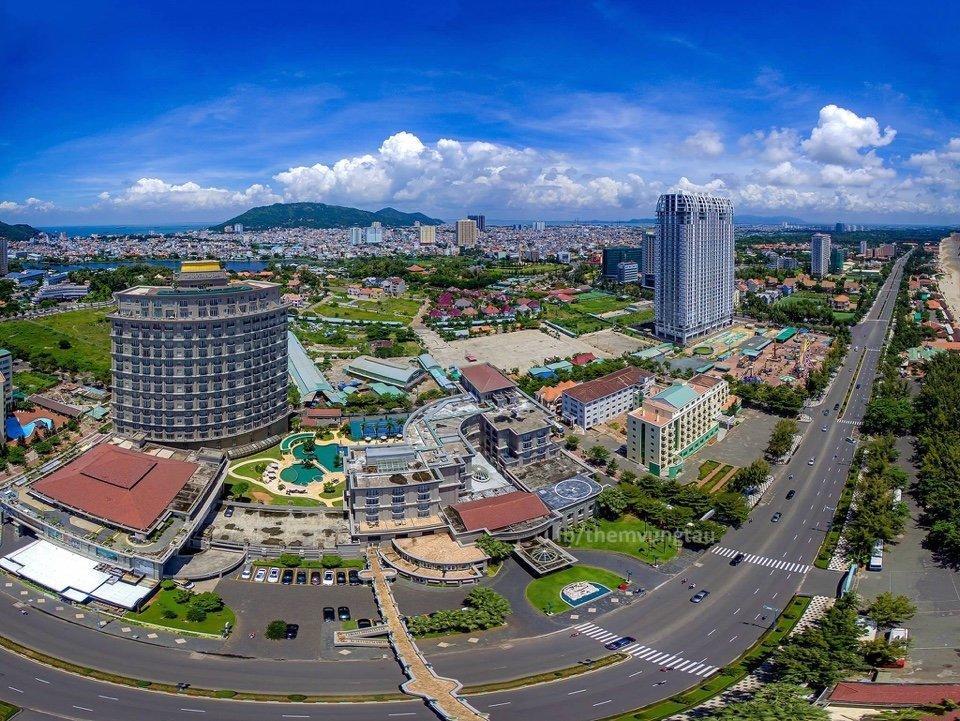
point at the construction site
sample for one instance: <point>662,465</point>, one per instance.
<point>773,356</point>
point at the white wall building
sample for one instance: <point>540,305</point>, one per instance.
<point>694,288</point>
<point>819,255</point>
<point>599,400</point>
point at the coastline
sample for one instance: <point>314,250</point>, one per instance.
<point>949,281</point>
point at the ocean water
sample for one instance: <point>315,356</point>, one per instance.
<point>85,230</point>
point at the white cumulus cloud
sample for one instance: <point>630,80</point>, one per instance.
<point>157,193</point>
<point>704,142</point>
<point>30,205</point>
<point>841,134</point>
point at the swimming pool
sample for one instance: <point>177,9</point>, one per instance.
<point>327,455</point>
<point>15,430</point>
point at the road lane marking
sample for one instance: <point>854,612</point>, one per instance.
<point>37,678</point>
<point>736,612</point>
<point>635,673</point>
<point>494,705</point>
<point>601,703</point>
<point>193,710</point>
<point>712,632</point>
<point>84,708</point>
<point>574,693</point>
<point>733,639</point>
<point>108,698</point>
<point>14,688</point>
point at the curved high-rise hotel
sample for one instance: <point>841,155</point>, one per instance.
<point>202,362</point>
<point>693,295</point>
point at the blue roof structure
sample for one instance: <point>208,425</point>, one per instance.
<point>677,395</point>
<point>305,374</point>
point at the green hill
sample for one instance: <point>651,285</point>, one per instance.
<point>17,232</point>
<point>321,215</point>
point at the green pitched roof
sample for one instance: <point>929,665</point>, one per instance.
<point>678,395</point>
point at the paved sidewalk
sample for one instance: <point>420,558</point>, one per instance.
<point>441,694</point>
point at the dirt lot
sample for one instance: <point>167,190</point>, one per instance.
<point>613,343</point>
<point>520,349</point>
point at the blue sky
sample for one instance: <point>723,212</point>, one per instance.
<point>153,112</point>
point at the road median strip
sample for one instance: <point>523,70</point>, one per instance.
<point>547,677</point>
<point>726,676</point>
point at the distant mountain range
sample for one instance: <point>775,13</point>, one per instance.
<point>21,231</point>
<point>321,215</point>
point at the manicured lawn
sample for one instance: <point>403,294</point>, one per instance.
<point>31,382</point>
<point>598,303</point>
<point>640,316</point>
<point>341,310</point>
<point>407,307</point>
<point>705,469</point>
<point>628,535</point>
<point>544,593</point>
<point>8,710</point>
<point>164,600</point>
<point>85,333</point>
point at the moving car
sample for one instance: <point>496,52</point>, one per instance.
<point>315,578</point>
<point>343,613</point>
<point>328,614</point>
<point>246,572</point>
<point>849,439</point>
<point>836,406</point>
<point>737,560</point>
<point>776,517</point>
<point>354,577</point>
<point>826,411</point>
<point>823,428</point>
<point>791,493</point>
<point>292,630</point>
<point>699,596</point>
<point>341,578</point>
<point>620,643</point>
<point>301,579</point>
<point>328,578</point>
<point>811,461</point>
<point>261,574</point>
<point>287,578</point>
<point>274,575</point>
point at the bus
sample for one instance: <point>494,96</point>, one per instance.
<point>876,556</point>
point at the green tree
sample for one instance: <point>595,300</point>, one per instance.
<point>781,438</point>
<point>773,702</point>
<point>240,489</point>
<point>732,508</point>
<point>276,629</point>
<point>612,468</point>
<point>290,560</point>
<point>598,455</point>
<point>880,652</point>
<point>890,610</point>
<point>496,549</point>
<point>208,602</point>
<point>571,442</point>
<point>750,476</point>
<point>611,502</point>
<point>195,614</point>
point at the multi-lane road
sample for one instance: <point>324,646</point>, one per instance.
<point>690,639</point>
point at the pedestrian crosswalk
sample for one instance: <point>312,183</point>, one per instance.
<point>674,662</point>
<point>851,423</point>
<point>762,560</point>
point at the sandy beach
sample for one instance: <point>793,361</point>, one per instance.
<point>950,274</point>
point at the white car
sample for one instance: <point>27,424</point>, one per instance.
<point>260,575</point>
<point>246,572</point>
<point>328,578</point>
<point>811,461</point>
<point>274,576</point>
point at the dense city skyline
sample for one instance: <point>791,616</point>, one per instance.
<point>588,111</point>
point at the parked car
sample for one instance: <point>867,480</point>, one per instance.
<point>737,560</point>
<point>228,513</point>
<point>328,578</point>
<point>341,578</point>
<point>699,596</point>
<point>343,613</point>
<point>246,572</point>
<point>292,630</point>
<point>791,493</point>
<point>849,439</point>
<point>328,614</point>
<point>274,575</point>
<point>301,578</point>
<point>260,575</point>
<point>287,578</point>
<point>620,643</point>
<point>315,578</point>
<point>364,623</point>
<point>354,577</point>
<point>776,517</point>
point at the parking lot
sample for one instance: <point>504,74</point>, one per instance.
<point>257,604</point>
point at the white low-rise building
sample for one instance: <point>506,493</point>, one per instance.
<point>609,396</point>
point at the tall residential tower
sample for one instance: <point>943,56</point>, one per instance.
<point>819,255</point>
<point>694,280</point>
